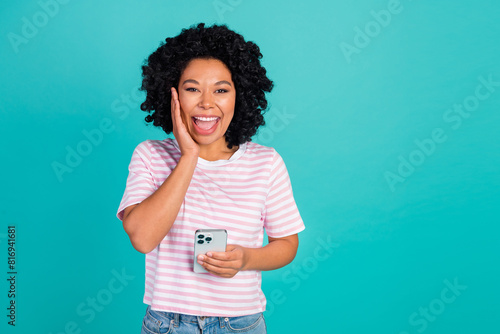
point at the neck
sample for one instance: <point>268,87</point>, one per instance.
<point>217,151</point>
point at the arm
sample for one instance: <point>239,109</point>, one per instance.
<point>148,222</point>
<point>276,254</point>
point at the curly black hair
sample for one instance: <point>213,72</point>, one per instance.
<point>163,68</point>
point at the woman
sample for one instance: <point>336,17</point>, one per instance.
<point>207,86</point>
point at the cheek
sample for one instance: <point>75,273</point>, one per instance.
<point>229,105</point>
<point>229,114</point>
<point>186,99</point>
<point>184,114</point>
<point>185,105</point>
<point>183,102</point>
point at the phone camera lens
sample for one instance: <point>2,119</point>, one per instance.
<point>201,236</point>
<point>200,241</point>
<point>208,239</point>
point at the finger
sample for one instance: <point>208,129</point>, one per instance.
<point>224,256</point>
<point>176,102</point>
<point>223,272</point>
<point>227,255</point>
<point>176,110</point>
<point>173,105</point>
<point>203,259</point>
<point>174,93</point>
<point>214,263</point>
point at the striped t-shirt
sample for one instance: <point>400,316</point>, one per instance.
<point>245,194</point>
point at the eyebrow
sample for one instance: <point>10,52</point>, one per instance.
<point>190,81</point>
<point>218,83</point>
<point>223,82</point>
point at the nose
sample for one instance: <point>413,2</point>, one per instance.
<point>206,100</point>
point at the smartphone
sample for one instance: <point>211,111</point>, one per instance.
<point>214,240</point>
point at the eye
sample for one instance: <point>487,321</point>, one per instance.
<point>222,90</point>
<point>191,89</point>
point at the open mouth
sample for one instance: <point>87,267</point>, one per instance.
<point>205,125</point>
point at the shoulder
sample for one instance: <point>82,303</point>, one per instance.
<point>263,157</point>
<point>261,151</point>
<point>257,151</point>
<point>152,148</point>
<point>165,145</point>
<point>156,151</point>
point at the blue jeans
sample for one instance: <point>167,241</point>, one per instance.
<point>156,322</point>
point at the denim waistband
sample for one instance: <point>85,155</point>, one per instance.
<point>175,318</point>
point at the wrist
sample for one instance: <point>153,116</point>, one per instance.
<point>247,258</point>
<point>189,157</point>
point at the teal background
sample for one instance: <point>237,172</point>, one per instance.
<point>340,123</point>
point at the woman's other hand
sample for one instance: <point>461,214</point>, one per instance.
<point>224,264</point>
<point>186,143</point>
<point>276,254</point>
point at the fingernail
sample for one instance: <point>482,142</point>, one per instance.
<point>209,254</point>
<point>201,257</point>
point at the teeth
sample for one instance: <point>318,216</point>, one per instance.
<point>206,119</point>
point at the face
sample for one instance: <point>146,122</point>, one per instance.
<point>207,97</point>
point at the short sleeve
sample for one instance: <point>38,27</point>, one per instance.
<point>281,216</point>
<point>140,181</point>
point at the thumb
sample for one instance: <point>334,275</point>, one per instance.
<point>230,248</point>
